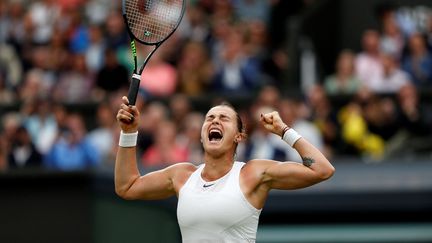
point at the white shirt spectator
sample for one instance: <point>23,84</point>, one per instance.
<point>44,16</point>
<point>368,69</point>
<point>390,83</point>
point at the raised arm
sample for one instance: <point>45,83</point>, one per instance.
<point>129,184</point>
<point>290,175</point>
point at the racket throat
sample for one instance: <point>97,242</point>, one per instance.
<point>149,56</point>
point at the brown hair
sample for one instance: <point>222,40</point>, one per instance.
<point>240,125</point>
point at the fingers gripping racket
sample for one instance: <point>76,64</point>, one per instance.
<point>149,22</point>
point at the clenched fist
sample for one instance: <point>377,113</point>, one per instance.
<point>273,123</point>
<point>128,116</point>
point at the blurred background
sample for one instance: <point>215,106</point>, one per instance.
<point>353,77</point>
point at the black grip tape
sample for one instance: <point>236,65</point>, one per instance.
<point>133,90</point>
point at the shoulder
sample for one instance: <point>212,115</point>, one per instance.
<point>184,167</point>
<point>181,171</point>
<point>254,175</point>
<point>258,167</point>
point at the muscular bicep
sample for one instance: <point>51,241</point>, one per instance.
<point>154,185</point>
<point>289,175</point>
<point>160,184</point>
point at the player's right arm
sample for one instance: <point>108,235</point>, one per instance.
<point>129,184</point>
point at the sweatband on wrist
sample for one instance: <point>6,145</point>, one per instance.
<point>128,139</point>
<point>291,136</point>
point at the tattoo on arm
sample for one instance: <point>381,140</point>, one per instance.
<point>307,161</point>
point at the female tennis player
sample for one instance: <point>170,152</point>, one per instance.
<point>221,199</point>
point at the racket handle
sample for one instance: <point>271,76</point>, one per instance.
<point>133,88</point>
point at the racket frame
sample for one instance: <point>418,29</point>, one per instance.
<point>136,76</point>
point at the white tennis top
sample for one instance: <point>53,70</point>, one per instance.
<point>216,211</point>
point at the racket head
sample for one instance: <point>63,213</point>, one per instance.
<point>151,22</point>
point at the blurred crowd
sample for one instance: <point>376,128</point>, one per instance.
<point>54,54</point>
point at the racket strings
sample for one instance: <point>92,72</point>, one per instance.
<point>154,20</point>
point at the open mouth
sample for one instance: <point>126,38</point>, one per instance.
<point>215,135</point>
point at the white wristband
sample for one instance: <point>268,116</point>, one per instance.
<point>291,136</point>
<point>128,139</point>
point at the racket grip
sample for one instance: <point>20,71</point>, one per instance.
<point>133,88</point>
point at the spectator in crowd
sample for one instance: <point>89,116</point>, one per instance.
<point>77,32</point>
<point>95,52</point>
<point>153,114</point>
<point>10,66</point>
<point>14,26</point>
<point>195,69</point>
<point>250,10</point>
<point>96,11</point>
<point>112,77</point>
<point>418,62</point>
<point>268,96</point>
<point>413,136</point>
<point>10,124</point>
<point>223,9</point>
<point>238,73</point>
<point>75,84</point>
<point>368,66</point>
<point>355,134</point>
<point>23,153</point>
<point>102,137</point>
<point>194,26</point>
<point>380,116</point>
<point>179,107</point>
<point>220,29</point>
<point>116,33</point>
<point>392,40</point>
<point>159,78</point>
<point>41,124</point>
<point>324,116</point>
<point>72,150</point>
<point>344,81</point>
<point>393,78</point>
<point>60,114</point>
<point>44,15</point>
<point>59,54</point>
<point>42,61</point>
<point>413,117</point>
<point>6,95</point>
<point>190,137</point>
<point>256,38</point>
<point>166,150</point>
<point>32,86</point>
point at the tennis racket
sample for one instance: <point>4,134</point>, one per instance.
<point>150,22</point>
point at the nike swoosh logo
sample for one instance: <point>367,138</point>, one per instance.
<point>208,185</point>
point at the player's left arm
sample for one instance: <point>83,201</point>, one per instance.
<point>291,175</point>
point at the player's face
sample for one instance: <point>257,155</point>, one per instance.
<point>219,130</point>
